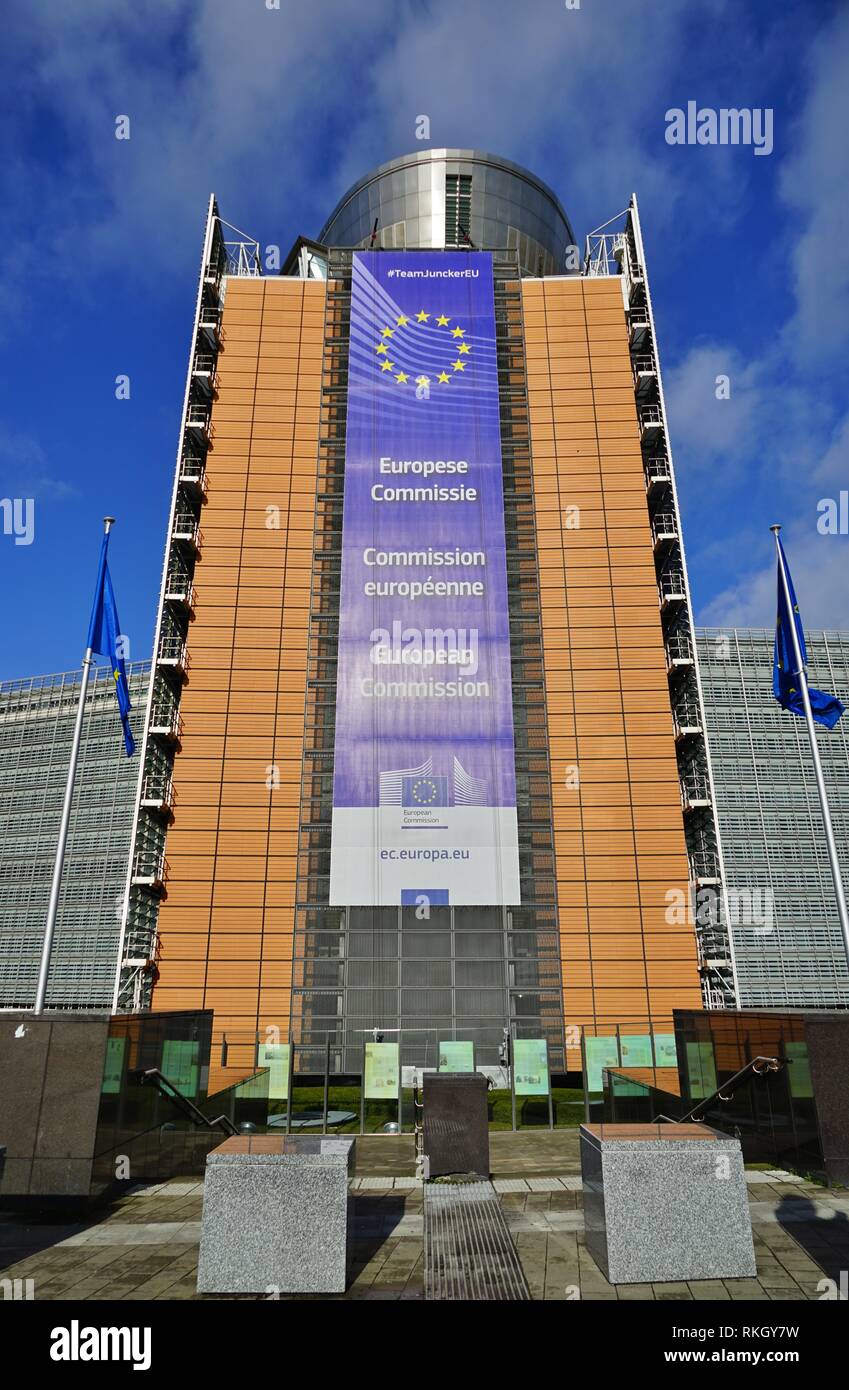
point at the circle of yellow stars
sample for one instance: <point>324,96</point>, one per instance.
<point>427,795</point>
<point>384,349</point>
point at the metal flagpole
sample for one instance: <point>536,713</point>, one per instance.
<point>802,675</point>
<point>47,947</point>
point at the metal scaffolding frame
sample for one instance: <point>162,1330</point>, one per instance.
<point>616,249</point>
<point>226,252</point>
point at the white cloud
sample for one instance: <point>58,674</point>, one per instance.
<point>709,430</point>
<point>833,467</point>
<point>25,470</point>
<point>782,440</point>
<point>255,104</point>
<point>820,569</point>
<point>220,98</point>
<point>815,183</point>
<point>557,90</point>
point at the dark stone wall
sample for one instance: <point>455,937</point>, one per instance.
<point>51,1072</point>
<point>828,1054</point>
<point>456,1123</point>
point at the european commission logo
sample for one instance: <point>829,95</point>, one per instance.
<point>421,786</point>
<point>404,340</point>
<point>424,791</point>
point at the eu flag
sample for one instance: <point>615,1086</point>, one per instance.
<point>826,709</point>
<point>424,791</point>
<point>103,632</point>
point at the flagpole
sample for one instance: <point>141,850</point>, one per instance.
<point>802,675</point>
<point>49,931</point>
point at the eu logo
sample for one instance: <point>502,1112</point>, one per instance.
<point>424,791</point>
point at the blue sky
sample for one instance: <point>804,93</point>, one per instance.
<point>278,110</point>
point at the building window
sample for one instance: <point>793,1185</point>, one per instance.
<point>458,209</point>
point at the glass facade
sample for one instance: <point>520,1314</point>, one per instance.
<point>781,911</point>
<point>245,922</point>
<point>36,727</point>
<point>468,972</point>
<point>439,198</point>
<point>779,1116</point>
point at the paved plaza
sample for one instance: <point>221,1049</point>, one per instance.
<point>145,1246</point>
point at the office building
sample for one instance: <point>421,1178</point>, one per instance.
<point>779,903</point>
<point>425,623</point>
<point>36,728</point>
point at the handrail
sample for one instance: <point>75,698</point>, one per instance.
<point>752,1068</point>
<point>152,1075</point>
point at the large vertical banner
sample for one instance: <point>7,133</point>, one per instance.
<point>424,789</point>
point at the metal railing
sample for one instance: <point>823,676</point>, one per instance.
<point>650,418</point>
<point>679,649</point>
<point>643,364</point>
<point>695,792</point>
<point>671,586</point>
<point>158,791</point>
<point>198,418</point>
<point>154,1077</point>
<point>186,528</point>
<point>166,721</point>
<point>686,718</point>
<point>193,471</point>
<point>664,527</point>
<point>704,866</point>
<point>657,471</point>
<point>179,588</point>
<point>150,868</point>
<point>758,1066</point>
<point>210,319</point>
<point>173,652</point>
<point>639,321</point>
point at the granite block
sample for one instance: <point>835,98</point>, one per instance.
<point>827,1040</point>
<point>23,1062</point>
<point>15,1178</point>
<point>276,1216</point>
<point>665,1203</point>
<point>51,1070</point>
<point>72,1084</point>
<point>60,1177</point>
<point>455,1122</point>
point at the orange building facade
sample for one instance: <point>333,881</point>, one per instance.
<point>229,876</point>
<point>226,922</point>
<point>618,828</point>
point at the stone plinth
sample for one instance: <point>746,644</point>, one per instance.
<point>51,1075</point>
<point>664,1203</point>
<point>455,1121</point>
<point>275,1215</point>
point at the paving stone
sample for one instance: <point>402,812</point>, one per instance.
<point>565,1221</point>
<point>708,1289</point>
<point>151,1288</point>
<point>146,1244</point>
<point>629,1293</point>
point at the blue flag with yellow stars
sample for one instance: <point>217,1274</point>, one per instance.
<point>826,709</point>
<point>103,632</point>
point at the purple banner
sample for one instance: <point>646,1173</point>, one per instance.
<point>424,790</point>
